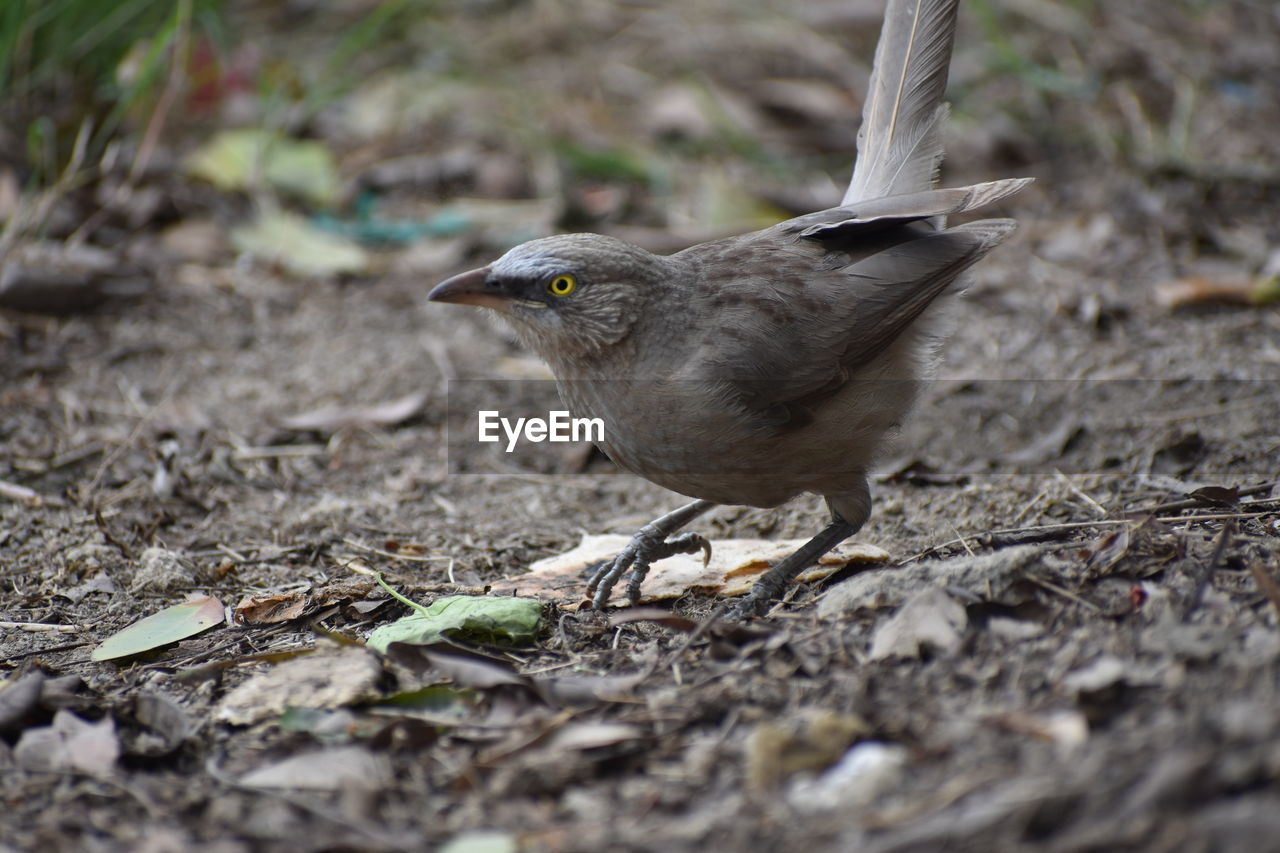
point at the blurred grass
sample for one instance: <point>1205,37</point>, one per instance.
<point>70,64</point>
<point>56,43</point>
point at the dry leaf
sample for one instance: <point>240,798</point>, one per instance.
<point>70,744</point>
<point>592,735</point>
<point>735,565</point>
<point>268,609</point>
<point>326,770</point>
<point>326,679</point>
<point>931,618</point>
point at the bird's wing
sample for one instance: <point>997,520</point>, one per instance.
<point>894,286</point>
<point>845,313</point>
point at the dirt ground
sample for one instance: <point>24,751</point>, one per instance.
<point>1080,514</point>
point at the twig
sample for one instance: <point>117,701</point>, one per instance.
<point>962,540</point>
<point>1217,516</point>
<point>1026,509</point>
<point>1192,503</point>
<point>1078,492</point>
<point>997,535</point>
<point>1034,533</point>
<point>280,451</point>
<point>439,354</point>
<point>70,457</point>
<point>1065,593</point>
<point>43,626</point>
<point>231,552</point>
<point>392,555</point>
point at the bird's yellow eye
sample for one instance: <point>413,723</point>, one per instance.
<point>561,285</point>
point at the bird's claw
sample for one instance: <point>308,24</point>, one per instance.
<point>646,547</point>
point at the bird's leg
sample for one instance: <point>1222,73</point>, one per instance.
<point>850,510</point>
<point>652,542</point>
<point>774,581</point>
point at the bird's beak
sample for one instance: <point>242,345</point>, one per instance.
<point>469,288</point>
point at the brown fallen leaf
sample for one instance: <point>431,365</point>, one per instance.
<point>342,590</point>
<point>1226,496</point>
<point>269,609</point>
<point>821,103</point>
<point>734,566</point>
<point>1105,552</point>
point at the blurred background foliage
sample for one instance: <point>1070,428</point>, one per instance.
<point>666,122</point>
<point>75,69</point>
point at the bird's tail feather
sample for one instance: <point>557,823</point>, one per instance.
<point>900,142</point>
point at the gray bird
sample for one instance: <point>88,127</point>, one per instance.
<point>752,369</point>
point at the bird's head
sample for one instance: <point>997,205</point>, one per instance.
<point>570,296</point>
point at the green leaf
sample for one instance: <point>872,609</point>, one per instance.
<point>159,629</point>
<point>435,698</point>
<point>278,236</point>
<point>1266,291</point>
<point>238,159</point>
<point>477,619</point>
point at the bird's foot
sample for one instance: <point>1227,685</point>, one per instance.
<point>750,606</point>
<point>647,546</point>
<point>774,582</point>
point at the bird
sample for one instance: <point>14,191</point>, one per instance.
<point>753,369</point>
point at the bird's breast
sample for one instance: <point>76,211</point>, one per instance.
<point>692,437</point>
